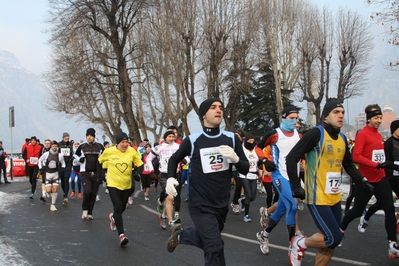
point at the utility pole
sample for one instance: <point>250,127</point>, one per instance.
<point>11,119</point>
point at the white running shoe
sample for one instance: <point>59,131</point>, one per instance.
<point>98,197</point>
<point>130,200</point>
<point>295,251</point>
<point>53,208</point>
<point>264,216</point>
<point>264,242</point>
<point>90,217</point>
<point>393,251</point>
<point>65,202</point>
<point>362,225</point>
<point>247,218</point>
<point>112,224</point>
<point>235,207</point>
<point>106,191</point>
<point>84,215</point>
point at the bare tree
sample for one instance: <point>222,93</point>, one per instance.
<point>332,53</point>
<point>354,45</point>
<point>110,22</point>
<point>278,21</point>
<point>315,43</point>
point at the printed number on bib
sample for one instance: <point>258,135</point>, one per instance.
<point>212,161</point>
<point>378,156</point>
<point>65,151</point>
<point>333,183</point>
<point>33,160</point>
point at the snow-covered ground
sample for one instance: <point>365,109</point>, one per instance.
<point>9,255</point>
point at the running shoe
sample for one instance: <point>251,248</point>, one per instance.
<point>362,225</point>
<point>79,195</point>
<point>146,198</point>
<point>247,218</point>
<point>106,191</point>
<point>90,217</point>
<point>176,219</point>
<point>130,200</point>
<point>235,207</point>
<point>31,196</point>
<point>186,199</point>
<point>170,226</point>
<point>84,215</point>
<point>300,205</point>
<point>264,216</point>
<point>393,251</point>
<point>264,242</point>
<point>295,251</point>
<point>42,199</point>
<point>53,208</point>
<point>163,221</point>
<point>112,224</point>
<point>65,202</point>
<point>123,240</point>
<point>98,197</point>
<point>72,195</point>
<point>173,240</point>
<point>159,206</point>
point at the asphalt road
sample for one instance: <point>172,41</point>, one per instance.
<point>30,234</point>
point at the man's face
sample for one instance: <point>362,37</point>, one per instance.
<point>76,145</point>
<point>214,116</point>
<point>33,142</point>
<point>54,147</point>
<point>47,144</point>
<point>1,144</point>
<point>375,121</point>
<point>396,133</point>
<point>123,145</point>
<point>336,117</point>
<point>66,139</point>
<point>90,138</point>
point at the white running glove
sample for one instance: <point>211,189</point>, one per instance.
<point>229,153</point>
<point>171,183</point>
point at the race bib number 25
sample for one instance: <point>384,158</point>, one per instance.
<point>212,161</point>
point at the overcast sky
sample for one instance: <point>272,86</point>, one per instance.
<point>22,28</point>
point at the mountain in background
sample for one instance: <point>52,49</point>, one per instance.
<point>25,91</point>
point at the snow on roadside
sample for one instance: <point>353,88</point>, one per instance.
<point>9,255</point>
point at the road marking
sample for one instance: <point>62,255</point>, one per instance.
<point>353,262</point>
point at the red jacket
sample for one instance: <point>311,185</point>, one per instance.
<point>367,153</point>
<point>32,151</point>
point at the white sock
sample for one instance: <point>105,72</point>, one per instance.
<point>301,243</point>
<point>53,197</point>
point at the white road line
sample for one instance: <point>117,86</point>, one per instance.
<point>353,262</point>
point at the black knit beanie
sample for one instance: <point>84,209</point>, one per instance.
<point>91,132</point>
<point>329,106</point>
<point>288,110</point>
<point>121,136</point>
<point>394,125</point>
<point>205,105</point>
